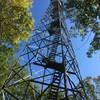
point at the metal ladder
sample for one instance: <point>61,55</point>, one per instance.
<point>54,47</point>
<point>53,92</point>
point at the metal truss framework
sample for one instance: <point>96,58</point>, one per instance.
<point>49,53</point>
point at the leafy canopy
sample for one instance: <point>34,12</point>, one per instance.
<point>86,15</point>
<point>16,23</point>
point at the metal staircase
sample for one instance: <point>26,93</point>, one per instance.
<point>54,47</point>
<point>53,93</point>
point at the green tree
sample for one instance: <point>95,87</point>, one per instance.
<point>16,23</point>
<point>89,89</point>
<point>85,14</point>
<point>96,81</point>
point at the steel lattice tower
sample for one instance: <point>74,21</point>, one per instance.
<point>49,49</point>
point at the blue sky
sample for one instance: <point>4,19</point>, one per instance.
<point>88,66</point>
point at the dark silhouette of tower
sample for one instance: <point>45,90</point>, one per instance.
<point>50,53</point>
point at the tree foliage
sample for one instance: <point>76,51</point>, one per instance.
<point>86,15</point>
<point>89,90</point>
<point>16,23</point>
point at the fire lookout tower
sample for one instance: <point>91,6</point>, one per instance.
<point>50,48</point>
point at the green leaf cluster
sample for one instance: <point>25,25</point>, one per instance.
<point>16,21</point>
<point>86,15</point>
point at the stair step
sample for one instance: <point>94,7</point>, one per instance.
<point>54,91</point>
<point>56,78</point>
<point>56,83</point>
<point>54,87</point>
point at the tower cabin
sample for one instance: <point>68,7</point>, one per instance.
<point>54,26</point>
